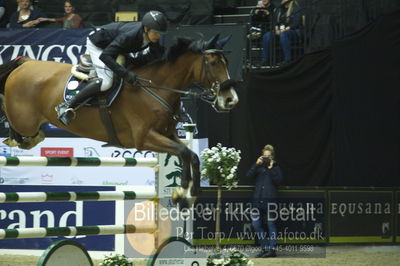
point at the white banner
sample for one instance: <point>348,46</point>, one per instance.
<point>80,147</point>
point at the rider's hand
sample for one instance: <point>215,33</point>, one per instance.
<point>131,77</point>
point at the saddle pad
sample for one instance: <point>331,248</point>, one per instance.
<point>75,85</point>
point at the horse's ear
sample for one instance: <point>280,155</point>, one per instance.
<point>211,44</point>
<point>221,43</point>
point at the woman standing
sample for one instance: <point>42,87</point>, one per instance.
<point>71,19</point>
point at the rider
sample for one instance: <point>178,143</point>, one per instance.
<point>105,44</point>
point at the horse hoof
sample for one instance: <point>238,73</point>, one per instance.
<point>182,198</point>
<point>11,142</point>
<point>194,191</point>
<point>26,144</point>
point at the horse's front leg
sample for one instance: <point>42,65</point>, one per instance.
<point>195,163</point>
<point>159,143</point>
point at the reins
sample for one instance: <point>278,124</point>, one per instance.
<point>203,95</point>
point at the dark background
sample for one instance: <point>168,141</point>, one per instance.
<point>333,116</point>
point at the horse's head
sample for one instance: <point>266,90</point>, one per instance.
<point>218,87</point>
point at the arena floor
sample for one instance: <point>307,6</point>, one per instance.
<point>337,255</point>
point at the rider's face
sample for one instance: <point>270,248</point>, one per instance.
<point>153,36</point>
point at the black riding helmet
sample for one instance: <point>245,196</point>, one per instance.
<point>156,21</point>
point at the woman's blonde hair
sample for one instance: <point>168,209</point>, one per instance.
<point>269,148</point>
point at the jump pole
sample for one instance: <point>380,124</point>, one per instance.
<point>76,161</point>
<point>74,196</point>
<point>75,231</point>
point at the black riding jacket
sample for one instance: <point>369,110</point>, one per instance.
<point>266,183</point>
<point>123,38</point>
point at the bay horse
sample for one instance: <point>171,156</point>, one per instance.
<point>144,115</point>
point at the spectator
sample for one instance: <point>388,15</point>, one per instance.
<point>288,26</point>
<point>268,176</point>
<point>2,11</point>
<point>26,16</point>
<point>261,15</point>
<point>70,19</point>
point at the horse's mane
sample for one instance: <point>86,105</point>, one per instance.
<point>181,46</point>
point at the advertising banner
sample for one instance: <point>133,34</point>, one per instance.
<point>76,147</point>
<point>80,147</point>
<point>360,216</point>
<point>60,45</point>
<point>299,217</point>
<point>57,214</point>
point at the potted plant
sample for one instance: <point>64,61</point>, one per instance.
<point>116,260</point>
<point>220,167</point>
<point>231,257</point>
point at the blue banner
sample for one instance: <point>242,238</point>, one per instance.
<point>57,214</point>
<point>61,45</point>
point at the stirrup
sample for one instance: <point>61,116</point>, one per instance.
<point>64,112</point>
<point>70,110</point>
<point>65,116</point>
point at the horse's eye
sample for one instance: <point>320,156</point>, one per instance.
<point>214,63</point>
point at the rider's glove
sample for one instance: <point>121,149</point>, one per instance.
<point>131,77</point>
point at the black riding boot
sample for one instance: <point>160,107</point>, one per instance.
<point>66,110</point>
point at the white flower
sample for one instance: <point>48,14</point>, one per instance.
<point>218,261</point>
<point>219,164</point>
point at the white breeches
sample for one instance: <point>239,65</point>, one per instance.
<point>103,71</point>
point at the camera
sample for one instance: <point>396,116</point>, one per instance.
<point>266,161</point>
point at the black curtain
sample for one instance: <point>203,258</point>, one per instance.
<point>333,116</point>
<point>367,105</point>
<point>328,20</point>
<point>290,108</point>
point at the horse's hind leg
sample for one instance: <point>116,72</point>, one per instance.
<point>14,139</point>
<point>30,142</point>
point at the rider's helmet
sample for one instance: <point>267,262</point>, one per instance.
<point>156,21</point>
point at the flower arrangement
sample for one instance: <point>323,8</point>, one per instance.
<point>229,257</point>
<point>116,260</point>
<point>220,165</point>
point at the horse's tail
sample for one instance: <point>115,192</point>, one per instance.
<point>7,68</point>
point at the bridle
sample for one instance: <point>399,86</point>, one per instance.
<point>210,94</point>
<point>207,94</point>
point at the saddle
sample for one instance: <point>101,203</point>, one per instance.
<point>80,75</point>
